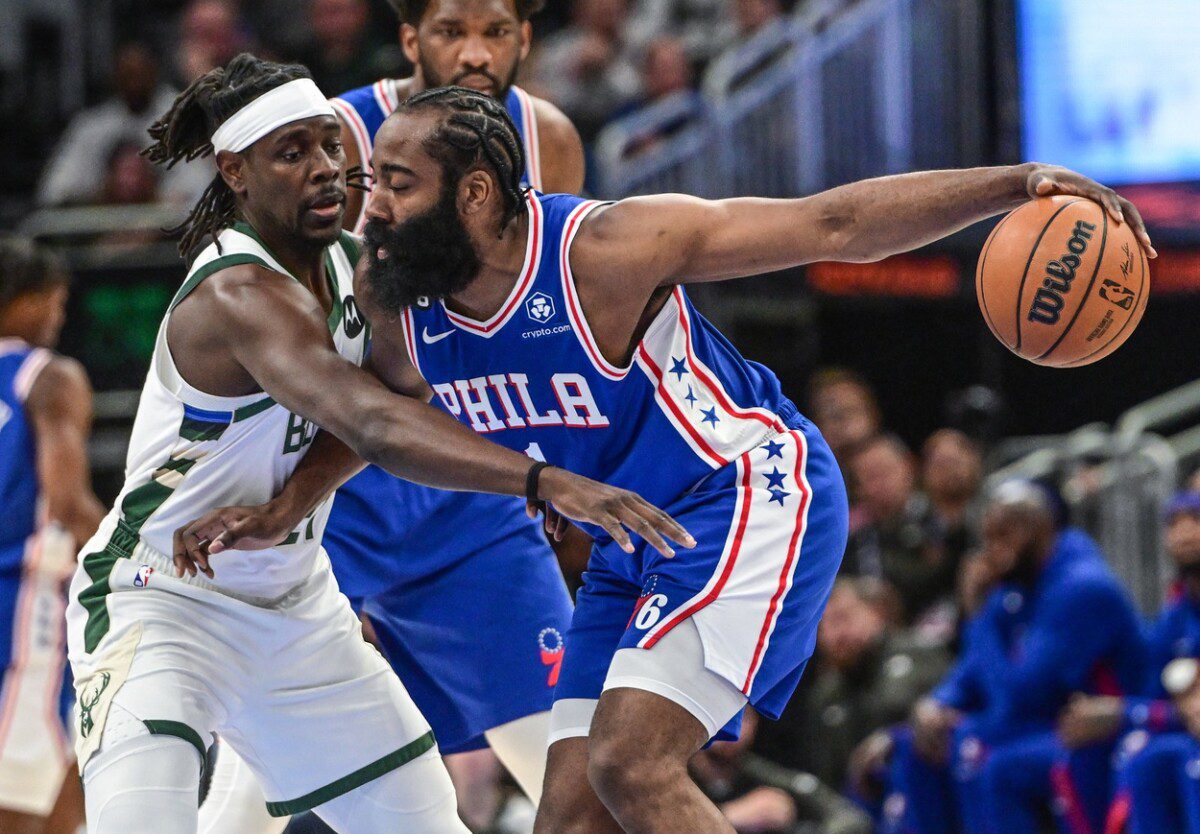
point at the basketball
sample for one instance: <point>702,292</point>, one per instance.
<point>1060,283</point>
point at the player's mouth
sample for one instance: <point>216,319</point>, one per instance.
<point>480,83</point>
<point>328,206</point>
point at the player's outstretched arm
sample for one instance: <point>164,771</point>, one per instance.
<point>291,355</point>
<point>60,408</point>
<point>671,239</point>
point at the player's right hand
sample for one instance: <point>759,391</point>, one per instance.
<point>227,528</point>
<point>618,511</point>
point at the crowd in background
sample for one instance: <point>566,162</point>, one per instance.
<point>898,624</point>
<point>595,59</point>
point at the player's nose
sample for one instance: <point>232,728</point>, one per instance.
<point>475,53</point>
<point>377,207</point>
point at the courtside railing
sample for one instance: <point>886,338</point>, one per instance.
<point>813,101</point>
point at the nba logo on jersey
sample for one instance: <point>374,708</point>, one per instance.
<point>540,307</point>
<point>142,579</point>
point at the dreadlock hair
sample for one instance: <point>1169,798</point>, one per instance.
<point>411,11</point>
<point>475,130</point>
<point>185,133</point>
<point>26,267</point>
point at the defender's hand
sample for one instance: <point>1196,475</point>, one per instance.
<point>228,528</point>
<point>618,511</point>
<point>1048,180</point>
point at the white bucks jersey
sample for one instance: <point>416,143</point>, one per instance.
<point>192,452</point>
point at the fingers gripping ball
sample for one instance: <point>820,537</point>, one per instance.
<point>1060,283</point>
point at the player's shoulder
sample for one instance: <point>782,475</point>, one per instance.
<point>553,124</point>
<point>59,379</point>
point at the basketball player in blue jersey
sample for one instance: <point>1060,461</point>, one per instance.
<point>46,510</point>
<point>422,547</point>
<point>478,44</point>
<point>561,328</point>
<point>401,551</point>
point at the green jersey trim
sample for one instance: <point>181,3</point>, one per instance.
<point>136,508</point>
<point>183,731</point>
<point>223,262</point>
<point>356,779</point>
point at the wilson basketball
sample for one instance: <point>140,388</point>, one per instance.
<point>1060,283</point>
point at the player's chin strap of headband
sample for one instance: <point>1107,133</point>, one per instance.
<point>290,102</point>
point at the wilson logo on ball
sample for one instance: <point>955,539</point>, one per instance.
<point>1048,302</point>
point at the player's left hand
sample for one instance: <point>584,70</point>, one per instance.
<point>1048,180</point>
<point>227,528</point>
<point>1089,720</point>
<point>555,523</point>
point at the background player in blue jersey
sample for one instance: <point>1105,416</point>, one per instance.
<point>425,556</point>
<point>47,509</point>
<point>984,742</point>
<point>561,328</point>
<point>478,44</point>
<point>1153,782</point>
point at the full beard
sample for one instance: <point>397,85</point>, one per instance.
<point>429,256</point>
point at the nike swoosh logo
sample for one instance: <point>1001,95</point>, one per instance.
<point>431,340</point>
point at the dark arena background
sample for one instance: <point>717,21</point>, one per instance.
<point>892,360</point>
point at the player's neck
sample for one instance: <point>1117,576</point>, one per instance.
<point>501,262</point>
<point>303,259</point>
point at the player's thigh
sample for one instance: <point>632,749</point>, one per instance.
<point>328,714</point>
<point>663,701</point>
<point>418,797</point>
<point>603,608</point>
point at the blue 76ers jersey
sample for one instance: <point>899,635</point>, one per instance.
<point>19,367</point>
<point>365,109</point>
<point>531,377</point>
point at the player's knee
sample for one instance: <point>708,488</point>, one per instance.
<point>620,769</point>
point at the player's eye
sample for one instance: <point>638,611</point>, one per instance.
<point>290,156</point>
<point>499,32</point>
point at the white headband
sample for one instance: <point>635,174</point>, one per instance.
<point>290,102</point>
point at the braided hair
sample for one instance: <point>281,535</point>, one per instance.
<point>185,133</point>
<point>411,11</point>
<point>475,130</point>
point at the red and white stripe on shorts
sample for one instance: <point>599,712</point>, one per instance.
<point>737,610</point>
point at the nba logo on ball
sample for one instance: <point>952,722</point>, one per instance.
<point>142,579</point>
<point>540,307</point>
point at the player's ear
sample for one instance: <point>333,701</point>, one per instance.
<point>526,38</point>
<point>231,166</point>
<point>408,42</point>
<point>475,191</point>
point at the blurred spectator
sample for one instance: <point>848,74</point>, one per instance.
<point>587,68</point>
<point>211,32</point>
<point>951,474</point>
<point>1055,622</point>
<point>902,540</point>
<point>129,178</point>
<point>844,408</point>
<point>868,675</point>
<point>1158,748</point>
<point>1193,483</point>
<point>751,16</point>
<point>759,796</point>
<point>345,52</point>
<point>702,26</point>
<point>78,167</point>
<point>666,69</point>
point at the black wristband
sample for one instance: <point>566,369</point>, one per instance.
<point>531,481</point>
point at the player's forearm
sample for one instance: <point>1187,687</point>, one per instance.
<point>872,219</point>
<point>415,441</point>
<point>327,465</point>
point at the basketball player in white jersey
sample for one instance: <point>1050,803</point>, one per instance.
<point>259,348</point>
